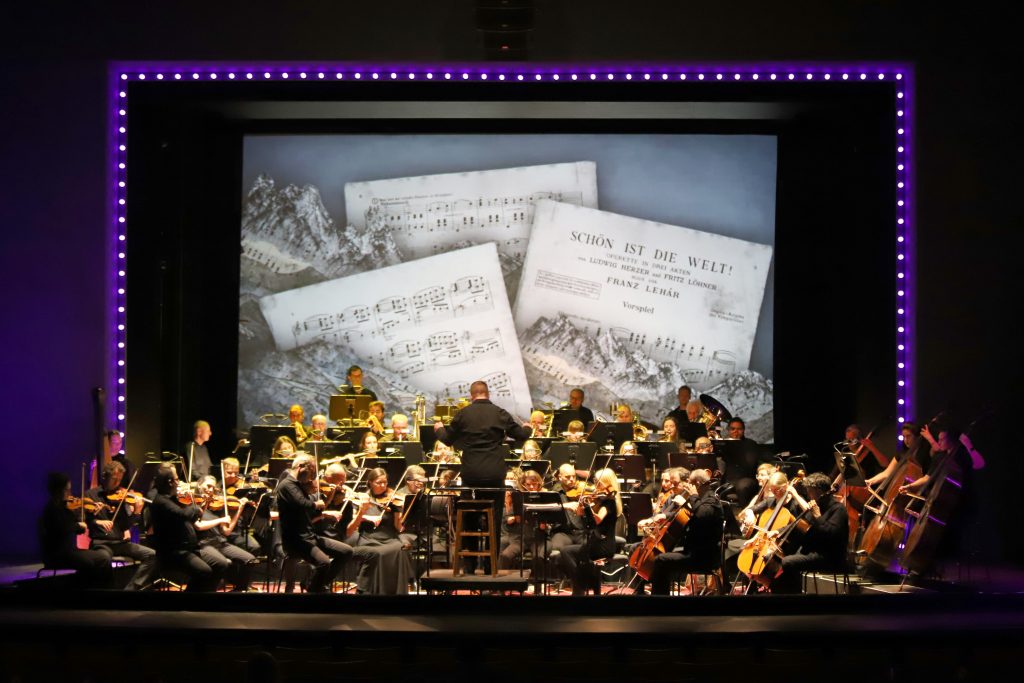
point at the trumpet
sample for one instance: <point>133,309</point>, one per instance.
<point>374,424</point>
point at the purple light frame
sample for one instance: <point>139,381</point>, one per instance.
<point>851,75</point>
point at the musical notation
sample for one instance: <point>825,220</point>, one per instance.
<point>433,214</point>
<point>388,316</point>
<point>426,323</point>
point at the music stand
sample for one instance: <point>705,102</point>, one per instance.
<point>636,506</point>
<point>410,451</point>
<point>616,432</point>
<point>539,507</point>
<point>144,480</point>
<point>395,467</point>
<point>850,469</point>
<point>348,407</point>
<point>321,450</point>
<point>561,418</point>
<point>541,466</point>
<point>262,439</point>
<point>628,467</point>
<point>277,466</point>
<point>434,470</point>
<point>565,452</point>
<point>656,453</point>
<point>351,436</point>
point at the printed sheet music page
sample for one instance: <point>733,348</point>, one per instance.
<point>439,323</point>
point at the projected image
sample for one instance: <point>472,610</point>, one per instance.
<point>627,265</point>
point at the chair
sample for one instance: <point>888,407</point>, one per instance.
<point>475,507</point>
<point>289,565</point>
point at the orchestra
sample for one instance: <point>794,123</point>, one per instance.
<point>776,523</point>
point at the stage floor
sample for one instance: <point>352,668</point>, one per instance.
<point>954,634</point>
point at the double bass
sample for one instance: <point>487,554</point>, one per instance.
<point>888,528</point>
<point>944,493</point>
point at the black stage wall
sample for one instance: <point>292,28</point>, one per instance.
<point>54,88</point>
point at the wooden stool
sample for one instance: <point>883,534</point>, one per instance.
<point>475,507</point>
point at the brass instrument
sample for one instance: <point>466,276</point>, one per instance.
<point>300,432</point>
<point>374,424</point>
<point>549,419</point>
<point>640,433</point>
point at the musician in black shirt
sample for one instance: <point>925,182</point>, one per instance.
<point>478,430</point>
<point>701,545</point>
<point>195,454</point>
<point>174,532</point>
<point>823,547</point>
<point>58,532</point>
<point>297,509</point>
<point>110,526</point>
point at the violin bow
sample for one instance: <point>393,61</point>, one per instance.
<point>120,503</point>
<point>81,512</point>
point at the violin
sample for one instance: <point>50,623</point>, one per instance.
<point>129,497</point>
<point>87,504</point>
<point>581,488</point>
<point>218,502</point>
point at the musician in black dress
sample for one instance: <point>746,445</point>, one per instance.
<point>175,527</point>
<point>701,545</point>
<point>59,528</point>
<point>297,507</point>
<point>110,526</point>
<point>478,430</point>
<point>601,512</point>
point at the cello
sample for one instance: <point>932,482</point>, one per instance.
<point>761,557</point>
<point>661,540</point>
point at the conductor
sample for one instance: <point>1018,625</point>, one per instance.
<point>478,430</point>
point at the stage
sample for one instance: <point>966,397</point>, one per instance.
<point>952,634</point>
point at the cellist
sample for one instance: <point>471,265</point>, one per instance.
<point>823,546</point>
<point>700,549</point>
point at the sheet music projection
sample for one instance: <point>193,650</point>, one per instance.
<point>633,308</point>
<point>432,214</point>
<point>438,323</point>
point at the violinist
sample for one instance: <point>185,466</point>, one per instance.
<point>600,511</point>
<point>297,505</point>
<point>59,528</point>
<point>823,546</point>
<point>700,548</point>
<point>379,528</point>
<point>175,516</point>
<point>339,497</point>
<point>514,536</point>
<point>110,524</point>
<point>227,559</point>
<point>572,532</point>
<point>661,491</point>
